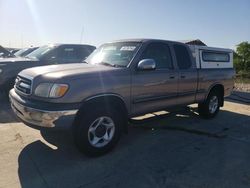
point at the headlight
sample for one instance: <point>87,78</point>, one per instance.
<point>51,90</point>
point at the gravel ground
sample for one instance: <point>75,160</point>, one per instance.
<point>243,87</point>
<point>177,150</point>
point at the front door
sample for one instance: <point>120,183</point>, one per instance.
<point>153,90</point>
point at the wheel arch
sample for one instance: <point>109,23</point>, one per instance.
<point>109,100</point>
<point>217,87</point>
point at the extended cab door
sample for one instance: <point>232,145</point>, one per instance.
<point>154,89</point>
<point>187,75</point>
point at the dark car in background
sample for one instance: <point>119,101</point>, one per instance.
<point>25,51</point>
<point>45,55</point>
<point>4,53</point>
<point>13,50</point>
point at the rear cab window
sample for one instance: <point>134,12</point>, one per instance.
<point>68,53</point>
<point>71,54</point>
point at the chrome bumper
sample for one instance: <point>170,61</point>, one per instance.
<point>43,118</point>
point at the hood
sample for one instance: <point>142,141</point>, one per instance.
<point>15,60</point>
<point>75,70</point>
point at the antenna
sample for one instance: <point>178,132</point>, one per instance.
<point>82,32</point>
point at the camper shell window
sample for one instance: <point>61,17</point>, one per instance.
<point>215,56</point>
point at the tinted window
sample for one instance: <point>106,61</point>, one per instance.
<point>84,52</point>
<point>40,52</point>
<point>68,53</point>
<point>215,56</point>
<point>20,52</point>
<point>160,53</point>
<point>182,56</point>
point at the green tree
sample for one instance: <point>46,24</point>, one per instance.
<point>242,57</point>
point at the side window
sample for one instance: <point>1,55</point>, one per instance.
<point>69,54</point>
<point>84,53</point>
<point>215,56</point>
<point>182,56</point>
<point>50,55</point>
<point>160,53</point>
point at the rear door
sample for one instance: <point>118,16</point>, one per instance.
<point>187,75</point>
<point>154,89</point>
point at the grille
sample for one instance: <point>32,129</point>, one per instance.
<point>23,85</point>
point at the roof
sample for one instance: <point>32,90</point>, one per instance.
<point>194,42</point>
<point>143,40</point>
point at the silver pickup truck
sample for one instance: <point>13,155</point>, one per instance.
<point>121,80</point>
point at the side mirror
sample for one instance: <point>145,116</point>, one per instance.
<point>146,64</point>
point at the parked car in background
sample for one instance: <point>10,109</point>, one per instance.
<point>13,50</point>
<point>4,53</point>
<point>45,55</point>
<point>25,51</point>
<point>121,80</point>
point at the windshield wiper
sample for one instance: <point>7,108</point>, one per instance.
<point>30,57</point>
<point>110,64</point>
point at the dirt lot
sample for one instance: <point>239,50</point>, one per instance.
<point>175,150</point>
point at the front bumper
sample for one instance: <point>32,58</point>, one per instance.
<point>41,117</point>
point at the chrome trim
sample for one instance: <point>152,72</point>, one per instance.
<point>26,76</point>
<point>25,86</point>
<point>31,86</point>
<point>42,118</point>
<point>104,95</point>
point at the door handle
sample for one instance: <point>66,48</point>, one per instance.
<point>182,76</point>
<point>171,77</point>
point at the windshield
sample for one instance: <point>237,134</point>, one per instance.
<point>38,53</point>
<point>20,52</point>
<point>117,54</point>
<point>24,52</point>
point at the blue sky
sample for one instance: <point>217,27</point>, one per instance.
<point>220,23</point>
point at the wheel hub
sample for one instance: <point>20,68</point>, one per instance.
<point>101,131</point>
<point>213,104</point>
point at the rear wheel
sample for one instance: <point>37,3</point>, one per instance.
<point>97,131</point>
<point>211,106</point>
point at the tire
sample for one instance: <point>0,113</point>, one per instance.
<point>87,131</point>
<point>210,108</point>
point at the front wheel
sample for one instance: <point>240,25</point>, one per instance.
<point>211,106</point>
<point>97,131</point>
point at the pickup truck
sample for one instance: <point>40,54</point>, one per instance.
<point>45,55</point>
<point>121,80</point>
